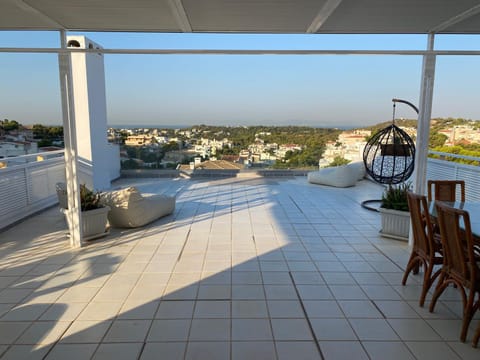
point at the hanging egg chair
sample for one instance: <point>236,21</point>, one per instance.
<point>389,155</point>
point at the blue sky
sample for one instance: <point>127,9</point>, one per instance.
<point>314,90</point>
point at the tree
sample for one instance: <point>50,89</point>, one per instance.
<point>123,135</point>
<point>55,131</point>
<point>130,164</point>
<point>44,143</point>
<point>171,146</point>
<point>459,150</point>
<point>280,165</point>
<point>131,151</point>
<point>437,139</point>
<point>47,133</point>
<point>149,157</point>
<point>160,154</point>
<point>338,161</point>
<point>9,125</point>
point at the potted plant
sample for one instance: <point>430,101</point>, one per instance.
<point>394,212</point>
<point>94,214</point>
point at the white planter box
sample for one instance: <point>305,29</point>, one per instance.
<point>94,223</point>
<point>395,224</point>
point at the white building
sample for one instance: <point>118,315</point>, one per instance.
<point>138,140</point>
<point>350,145</point>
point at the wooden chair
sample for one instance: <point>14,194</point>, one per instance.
<point>425,250</point>
<point>445,190</point>
<point>459,267</point>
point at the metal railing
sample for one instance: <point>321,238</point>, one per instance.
<point>443,169</point>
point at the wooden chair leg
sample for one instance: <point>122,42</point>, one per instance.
<point>427,282</point>
<point>468,312</point>
<point>476,336</point>
<point>441,286</point>
<point>467,318</point>
<point>412,262</point>
<point>416,268</point>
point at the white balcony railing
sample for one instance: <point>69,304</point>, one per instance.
<point>27,183</point>
<point>448,170</point>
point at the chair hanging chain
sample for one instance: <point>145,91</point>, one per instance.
<point>393,115</point>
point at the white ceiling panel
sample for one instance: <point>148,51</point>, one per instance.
<point>287,16</point>
<point>469,25</point>
<point>127,15</point>
<point>394,16</point>
<point>13,16</point>
<point>245,16</point>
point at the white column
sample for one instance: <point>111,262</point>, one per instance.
<point>423,124</point>
<point>88,82</point>
<point>424,116</point>
<point>69,133</point>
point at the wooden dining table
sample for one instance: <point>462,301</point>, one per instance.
<point>473,209</point>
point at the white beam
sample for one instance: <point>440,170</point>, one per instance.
<point>456,19</point>
<point>423,124</point>
<point>71,158</point>
<point>240,52</point>
<point>327,9</point>
<point>180,15</point>
<point>26,7</point>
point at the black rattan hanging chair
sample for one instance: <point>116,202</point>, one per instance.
<point>389,155</point>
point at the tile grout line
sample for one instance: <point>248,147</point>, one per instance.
<point>184,245</point>
<point>310,326</point>
<point>263,284</point>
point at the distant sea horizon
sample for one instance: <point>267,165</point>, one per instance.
<point>147,126</point>
<point>151,126</point>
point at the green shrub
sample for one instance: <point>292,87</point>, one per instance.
<point>395,197</point>
<point>89,200</point>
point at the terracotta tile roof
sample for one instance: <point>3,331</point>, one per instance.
<point>219,164</point>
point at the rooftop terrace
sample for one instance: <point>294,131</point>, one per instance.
<point>261,268</point>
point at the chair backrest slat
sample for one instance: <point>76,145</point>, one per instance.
<point>445,190</point>
<point>421,224</point>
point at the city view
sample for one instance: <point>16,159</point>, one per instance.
<point>276,147</point>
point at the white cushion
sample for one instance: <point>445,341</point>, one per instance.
<point>130,209</point>
<point>359,168</point>
<point>339,176</point>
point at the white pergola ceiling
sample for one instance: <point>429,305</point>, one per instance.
<point>245,16</point>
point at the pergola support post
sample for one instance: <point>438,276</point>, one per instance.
<point>423,125</point>
<point>424,116</point>
<point>71,155</point>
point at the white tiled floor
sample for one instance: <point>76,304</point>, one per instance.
<point>244,268</point>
